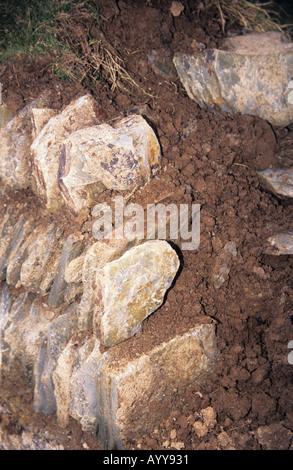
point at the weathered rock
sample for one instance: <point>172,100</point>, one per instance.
<point>121,158</point>
<point>96,257</point>
<point>84,404</point>
<point>39,268</point>
<point>132,287</point>
<point>47,145</point>
<point>71,359</point>
<point>6,114</point>
<point>278,181</point>
<point>59,332</point>
<point>223,264</point>
<point>72,248</point>
<point>280,244</point>
<point>15,142</point>
<point>8,224</point>
<point>249,75</point>
<point>40,117</point>
<point>161,62</point>
<point>108,391</point>
<point>23,332</point>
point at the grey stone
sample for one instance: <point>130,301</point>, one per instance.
<point>109,390</point>
<point>59,332</point>
<point>72,248</point>
<point>278,181</point>
<point>223,264</point>
<point>280,244</point>
<point>250,74</point>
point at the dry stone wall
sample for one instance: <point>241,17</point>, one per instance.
<point>68,303</point>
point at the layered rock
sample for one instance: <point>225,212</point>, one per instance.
<point>105,391</point>
<point>15,140</point>
<point>250,74</point>
<point>46,147</point>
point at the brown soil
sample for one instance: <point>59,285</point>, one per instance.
<point>208,159</point>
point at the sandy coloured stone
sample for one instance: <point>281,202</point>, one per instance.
<point>121,157</point>
<point>95,258</point>
<point>15,141</point>
<point>39,268</point>
<point>249,74</point>
<point>46,147</point>
<point>127,386</point>
<point>132,287</point>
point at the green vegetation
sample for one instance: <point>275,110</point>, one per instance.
<point>32,27</point>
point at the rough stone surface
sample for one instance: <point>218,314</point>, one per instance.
<point>70,360</point>
<point>126,387</point>
<point>132,287</point>
<point>23,330</point>
<point>46,147</point>
<point>280,244</point>
<point>58,335</point>
<point>249,75</point>
<point>278,181</point>
<point>6,114</point>
<point>15,141</point>
<point>40,266</point>
<point>72,248</point>
<point>223,264</point>
<point>96,257</point>
<point>121,158</point>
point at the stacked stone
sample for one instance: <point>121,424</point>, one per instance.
<point>80,301</point>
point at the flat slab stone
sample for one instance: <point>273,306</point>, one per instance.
<point>132,287</point>
<point>122,158</point>
<point>250,74</point>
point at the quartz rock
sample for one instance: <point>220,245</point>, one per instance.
<point>132,287</point>
<point>46,147</point>
<point>250,74</point>
<point>122,158</point>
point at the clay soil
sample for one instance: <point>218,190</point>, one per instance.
<point>210,159</point>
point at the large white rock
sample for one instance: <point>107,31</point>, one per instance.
<point>122,158</point>
<point>132,287</point>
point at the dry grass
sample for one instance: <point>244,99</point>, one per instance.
<point>260,17</point>
<point>86,58</point>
